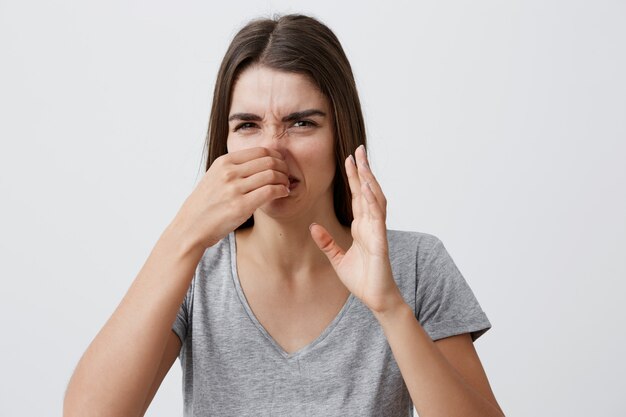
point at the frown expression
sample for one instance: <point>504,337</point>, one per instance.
<point>286,112</point>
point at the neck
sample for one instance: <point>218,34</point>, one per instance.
<point>287,246</point>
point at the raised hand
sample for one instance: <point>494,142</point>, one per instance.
<point>364,268</point>
<point>234,186</point>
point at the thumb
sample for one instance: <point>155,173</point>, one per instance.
<point>327,244</point>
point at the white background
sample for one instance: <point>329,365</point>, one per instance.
<point>497,126</point>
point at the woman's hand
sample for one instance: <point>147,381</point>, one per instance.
<point>364,268</point>
<point>233,187</point>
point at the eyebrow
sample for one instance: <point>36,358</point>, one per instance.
<point>289,118</point>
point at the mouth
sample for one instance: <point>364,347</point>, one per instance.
<point>293,182</point>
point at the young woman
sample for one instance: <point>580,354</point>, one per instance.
<point>277,282</point>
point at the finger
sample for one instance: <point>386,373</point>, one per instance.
<point>361,167</point>
<point>254,166</point>
<point>365,206</point>
<point>327,244</point>
<point>355,186</point>
<point>260,179</point>
<point>375,211</point>
<point>248,154</point>
<point>366,175</point>
<point>262,195</point>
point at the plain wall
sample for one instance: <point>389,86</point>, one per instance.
<point>497,126</point>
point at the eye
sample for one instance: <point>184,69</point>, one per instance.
<point>244,126</point>
<point>304,123</point>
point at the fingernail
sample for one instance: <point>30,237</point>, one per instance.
<point>352,160</point>
<point>311,225</point>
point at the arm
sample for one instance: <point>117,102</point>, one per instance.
<point>123,366</point>
<point>169,356</point>
<point>442,382</point>
<point>459,351</point>
<point>444,378</point>
<point>116,372</point>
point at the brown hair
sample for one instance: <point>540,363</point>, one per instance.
<point>299,44</point>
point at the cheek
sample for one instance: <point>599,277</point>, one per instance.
<point>233,145</point>
<point>322,161</point>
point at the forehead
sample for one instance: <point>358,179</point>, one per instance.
<point>260,90</point>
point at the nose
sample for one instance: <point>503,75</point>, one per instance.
<point>276,138</point>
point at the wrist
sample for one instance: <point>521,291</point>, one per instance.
<point>185,240</point>
<point>393,311</point>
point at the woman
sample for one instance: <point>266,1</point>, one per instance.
<point>277,282</point>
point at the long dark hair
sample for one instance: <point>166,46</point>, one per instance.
<point>299,44</point>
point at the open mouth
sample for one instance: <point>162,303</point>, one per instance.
<point>293,182</point>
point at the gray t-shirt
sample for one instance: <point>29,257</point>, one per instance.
<point>232,366</point>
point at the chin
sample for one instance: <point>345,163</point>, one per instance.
<point>299,204</point>
<point>289,209</point>
<point>281,208</point>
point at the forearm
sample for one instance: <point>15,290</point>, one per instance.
<point>436,388</point>
<point>115,373</point>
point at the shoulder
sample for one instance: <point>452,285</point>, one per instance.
<point>411,243</point>
<point>409,251</point>
<point>217,258</point>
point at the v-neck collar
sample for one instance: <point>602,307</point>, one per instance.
<point>253,318</point>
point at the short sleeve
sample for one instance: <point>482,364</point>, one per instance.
<point>444,302</point>
<point>183,317</point>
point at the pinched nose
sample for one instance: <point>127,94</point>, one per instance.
<point>280,134</point>
<point>276,139</point>
<point>276,134</point>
